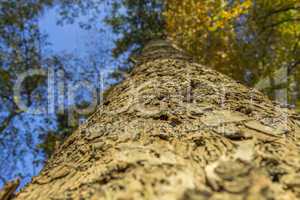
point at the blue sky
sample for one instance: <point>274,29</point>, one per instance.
<point>72,39</point>
<point>67,38</point>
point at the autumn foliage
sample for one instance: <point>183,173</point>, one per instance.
<point>246,39</point>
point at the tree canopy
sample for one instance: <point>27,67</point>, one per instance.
<point>247,39</point>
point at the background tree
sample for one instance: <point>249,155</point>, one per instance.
<point>23,48</point>
<point>207,29</point>
<point>20,50</point>
<point>248,40</point>
<point>135,22</point>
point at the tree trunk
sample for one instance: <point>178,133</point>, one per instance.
<point>175,129</point>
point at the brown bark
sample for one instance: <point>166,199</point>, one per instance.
<point>177,130</point>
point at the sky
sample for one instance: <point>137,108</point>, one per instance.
<point>68,38</point>
<point>72,39</point>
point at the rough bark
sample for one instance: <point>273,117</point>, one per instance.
<point>175,129</point>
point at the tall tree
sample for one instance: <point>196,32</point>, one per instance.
<point>176,129</point>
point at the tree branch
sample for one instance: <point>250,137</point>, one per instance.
<point>6,121</point>
<point>293,66</point>
<point>278,24</point>
<point>286,9</point>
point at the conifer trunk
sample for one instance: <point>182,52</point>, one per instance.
<point>175,129</point>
